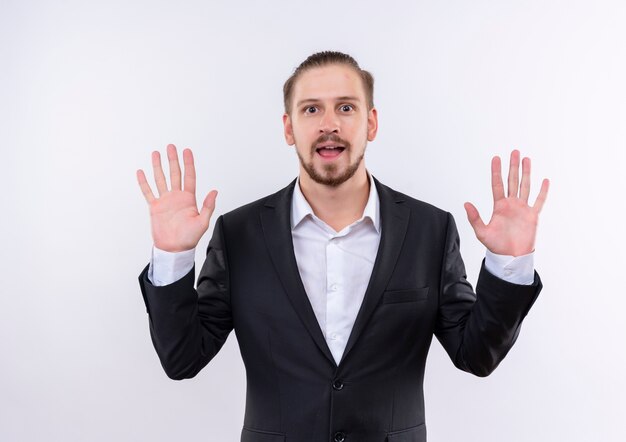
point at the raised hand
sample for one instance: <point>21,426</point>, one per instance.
<point>513,225</point>
<point>176,223</point>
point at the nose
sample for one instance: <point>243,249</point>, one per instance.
<point>329,123</point>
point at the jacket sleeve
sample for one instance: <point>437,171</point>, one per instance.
<point>188,326</point>
<point>478,329</point>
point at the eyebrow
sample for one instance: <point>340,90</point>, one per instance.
<point>317,100</point>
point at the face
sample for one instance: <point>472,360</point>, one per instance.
<point>330,124</point>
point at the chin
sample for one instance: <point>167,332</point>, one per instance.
<point>333,177</point>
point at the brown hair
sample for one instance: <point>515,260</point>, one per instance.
<point>326,58</point>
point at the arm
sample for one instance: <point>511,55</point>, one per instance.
<point>188,326</point>
<point>478,330</point>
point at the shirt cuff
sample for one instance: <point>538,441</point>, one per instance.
<point>168,267</point>
<point>516,270</point>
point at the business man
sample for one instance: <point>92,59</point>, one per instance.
<point>335,284</point>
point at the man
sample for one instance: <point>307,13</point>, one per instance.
<point>335,284</point>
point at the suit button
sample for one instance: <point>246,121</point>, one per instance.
<point>340,436</point>
<point>337,384</point>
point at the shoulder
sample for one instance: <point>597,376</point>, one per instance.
<point>416,206</point>
<point>280,199</point>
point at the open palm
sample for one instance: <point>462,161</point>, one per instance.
<point>176,223</point>
<point>513,226</point>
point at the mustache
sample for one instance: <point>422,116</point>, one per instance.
<point>330,137</point>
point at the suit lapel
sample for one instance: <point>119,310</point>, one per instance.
<point>394,218</point>
<point>276,224</point>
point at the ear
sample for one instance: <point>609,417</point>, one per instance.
<point>288,127</point>
<point>372,124</point>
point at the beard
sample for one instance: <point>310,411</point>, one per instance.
<point>329,175</point>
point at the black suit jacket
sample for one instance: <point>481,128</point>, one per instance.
<point>295,390</point>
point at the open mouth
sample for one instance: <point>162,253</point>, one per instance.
<point>330,151</point>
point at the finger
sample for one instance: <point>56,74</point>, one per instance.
<point>543,194</point>
<point>208,206</point>
<point>190,172</point>
<point>496,179</point>
<point>525,184</point>
<point>159,176</point>
<point>474,219</point>
<point>172,157</point>
<point>514,174</point>
<point>145,187</point>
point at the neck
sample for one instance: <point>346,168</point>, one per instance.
<point>337,206</point>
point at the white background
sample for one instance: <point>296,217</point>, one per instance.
<point>88,90</point>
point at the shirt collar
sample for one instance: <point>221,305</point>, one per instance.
<point>300,207</point>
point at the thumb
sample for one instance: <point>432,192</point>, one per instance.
<point>474,218</point>
<point>208,206</point>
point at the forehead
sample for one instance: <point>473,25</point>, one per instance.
<point>328,82</point>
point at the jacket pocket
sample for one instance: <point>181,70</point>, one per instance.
<point>249,435</point>
<point>413,434</point>
<point>407,295</point>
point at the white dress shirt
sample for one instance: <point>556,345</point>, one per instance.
<point>335,267</point>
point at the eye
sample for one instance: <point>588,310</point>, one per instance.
<point>346,107</point>
<point>310,110</point>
